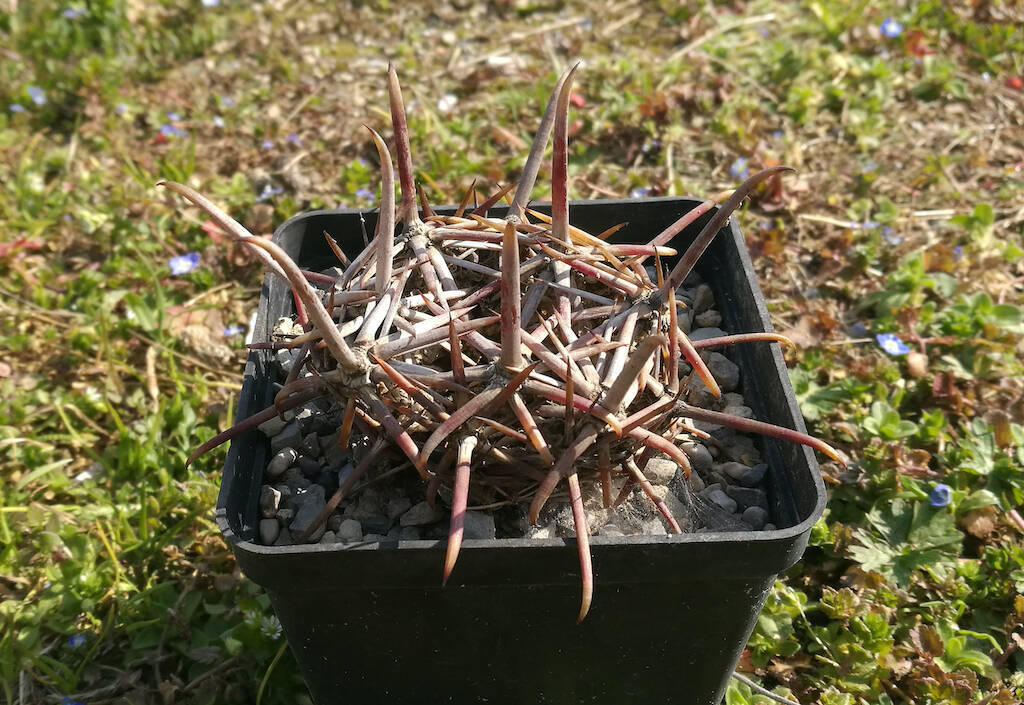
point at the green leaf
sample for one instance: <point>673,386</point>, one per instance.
<point>977,500</point>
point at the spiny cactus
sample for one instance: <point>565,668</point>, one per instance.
<point>514,354</point>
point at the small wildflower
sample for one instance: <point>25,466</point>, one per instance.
<point>869,166</point>
<point>73,13</point>
<point>446,102</point>
<point>639,192</point>
<point>16,108</point>
<point>227,101</point>
<point>173,117</point>
<point>586,24</point>
<point>858,330</point>
<point>211,3</point>
<point>270,626</point>
<point>365,193</point>
<point>293,138</point>
<point>778,134</point>
<point>37,95</point>
<point>267,144</point>
<point>183,264</point>
<point>68,701</point>
<point>120,108</point>
<point>870,224</point>
<point>986,76</point>
<point>891,343</point>
<point>941,495</point>
<point>958,253</point>
<point>738,169</point>
<point>76,640</point>
<point>47,585</point>
<point>218,121</point>
<point>891,28</point>
<point>169,130</point>
<point>233,330</point>
<point>650,146</point>
<point>890,236</point>
<point>269,192</point>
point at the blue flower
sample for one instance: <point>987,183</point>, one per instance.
<point>168,130</point>
<point>365,193</point>
<point>958,253</point>
<point>233,330</point>
<point>267,144</point>
<point>211,3</point>
<point>68,701</point>
<point>941,495</point>
<point>870,166</point>
<point>870,224</point>
<point>227,101</point>
<point>76,640</point>
<point>738,169</point>
<point>269,192</point>
<point>173,117</point>
<point>858,330</point>
<point>293,138</point>
<point>890,236</point>
<point>892,344</point>
<point>778,134</point>
<point>183,264</point>
<point>37,95</point>
<point>16,108</point>
<point>891,28</point>
<point>218,121</point>
<point>120,108</point>
<point>639,192</point>
<point>73,13</point>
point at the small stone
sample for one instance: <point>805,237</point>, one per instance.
<point>409,533</point>
<point>748,496</point>
<point>333,522</point>
<point>708,489</point>
<point>546,532</point>
<point>695,483</point>
<point>270,500</point>
<point>703,299</point>
<point>698,394</point>
<point>375,524</point>
<point>610,530</point>
<point>274,426</point>
<point>333,454</point>
<point>733,469</point>
<point>398,506</point>
<point>744,412</point>
<point>753,476</point>
<point>741,449</point>
<point>699,455</point>
<point>370,504</point>
<point>708,319</point>
<point>660,470</point>
<point>755,517</point>
<point>421,514</point>
<point>269,531</point>
<point>723,500</point>
<point>478,525</point>
<point>312,504</point>
<point>395,534</point>
<point>310,467</point>
<point>284,538</point>
<point>295,480</point>
<point>653,527</point>
<point>678,509</point>
<point>705,333</point>
<point>285,516</point>
<point>284,360</point>
<point>725,371</point>
<point>311,445</point>
<point>350,530</point>
<point>769,527</point>
<point>289,437</point>
<point>373,538</point>
<point>329,537</point>
<point>732,399</point>
<point>281,462</point>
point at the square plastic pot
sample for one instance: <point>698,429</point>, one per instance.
<point>370,623</point>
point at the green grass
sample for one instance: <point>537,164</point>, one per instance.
<point>905,217</point>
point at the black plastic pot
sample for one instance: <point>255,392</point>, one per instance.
<point>371,623</point>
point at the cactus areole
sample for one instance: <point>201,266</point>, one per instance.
<point>521,351</point>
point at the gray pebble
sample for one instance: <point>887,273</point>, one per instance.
<point>755,517</point>
<point>699,455</point>
<point>295,480</point>
<point>725,371</point>
<point>373,538</point>
<point>409,533</point>
<point>375,524</point>
<point>398,506</point>
<point>395,534</point>
<point>333,522</point>
<point>748,496</point>
<point>703,299</point>
<point>284,538</point>
<point>285,515</point>
<point>478,525</point>
<point>705,333</point>
<point>653,527</point>
<point>421,514</point>
<point>611,530</point>
<point>281,462</point>
<point>312,503</point>
<point>311,445</point>
<point>741,449</point>
<point>333,454</point>
<point>695,483</point>
<point>289,437</point>
<point>310,467</point>
<point>660,470</point>
<point>769,527</point>
<point>350,530</point>
<point>549,532</point>
<point>708,319</point>
<point>723,500</point>
<point>744,412</point>
<point>706,492</point>
<point>733,469</point>
<point>370,504</point>
<point>285,359</point>
<point>753,476</point>
<point>329,537</point>
<point>270,500</point>
<point>272,427</point>
<point>269,531</point>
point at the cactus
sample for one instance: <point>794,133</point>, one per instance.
<point>522,354</point>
